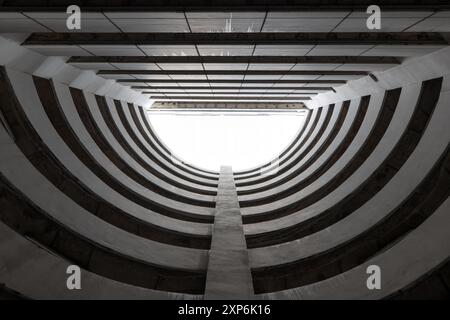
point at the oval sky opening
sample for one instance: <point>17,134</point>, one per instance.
<point>238,139</point>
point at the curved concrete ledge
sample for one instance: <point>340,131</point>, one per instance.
<point>25,267</point>
<point>408,193</point>
<point>336,179</point>
<point>305,155</point>
<point>88,151</point>
<point>148,146</point>
<point>422,251</point>
<point>148,133</point>
<point>406,217</point>
<point>77,234</point>
<point>85,180</point>
<point>36,115</point>
<point>301,150</point>
<point>100,247</point>
<point>369,187</point>
<point>323,160</point>
<point>122,159</point>
<point>114,117</point>
<point>285,153</point>
<point>118,146</point>
<point>145,223</point>
<point>318,117</point>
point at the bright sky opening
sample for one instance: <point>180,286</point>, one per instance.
<point>241,140</point>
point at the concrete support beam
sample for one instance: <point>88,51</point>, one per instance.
<point>237,38</point>
<point>217,5</point>
<point>229,275</point>
<point>168,93</point>
<point>214,98</point>
<point>237,59</point>
<point>238,72</point>
<point>226,105</point>
<point>268,88</point>
<point>230,81</point>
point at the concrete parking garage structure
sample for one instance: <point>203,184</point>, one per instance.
<point>86,180</point>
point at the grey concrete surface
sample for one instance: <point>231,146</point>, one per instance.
<point>69,109</point>
<point>286,150</point>
<point>431,146</point>
<point>39,274</point>
<point>79,129</point>
<point>24,265</point>
<point>168,154</point>
<point>328,152</point>
<point>30,103</point>
<point>416,255</point>
<point>275,162</point>
<point>295,158</point>
<point>399,122</point>
<point>24,176</point>
<point>151,162</point>
<point>189,172</point>
<point>92,104</point>
<point>228,275</point>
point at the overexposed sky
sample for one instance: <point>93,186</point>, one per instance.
<point>211,140</point>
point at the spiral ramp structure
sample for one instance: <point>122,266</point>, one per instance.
<point>85,180</point>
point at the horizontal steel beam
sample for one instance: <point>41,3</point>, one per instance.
<point>235,88</point>
<point>237,59</point>
<point>231,81</point>
<point>229,92</point>
<point>210,38</point>
<point>238,111</point>
<point>218,5</point>
<point>232,98</point>
<point>237,72</point>
<point>225,106</point>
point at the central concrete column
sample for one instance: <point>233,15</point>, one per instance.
<point>228,274</point>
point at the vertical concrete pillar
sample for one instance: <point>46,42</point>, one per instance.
<point>228,275</point>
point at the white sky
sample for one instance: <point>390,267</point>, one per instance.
<point>241,141</point>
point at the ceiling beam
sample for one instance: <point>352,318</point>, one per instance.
<point>236,88</point>
<point>230,106</point>
<point>236,72</point>
<point>217,5</point>
<point>231,81</point>
<point>210,38</point>
<point>238,59</point>
<point>229,92</point>
<point>233,98</point>
<point>248,95</point>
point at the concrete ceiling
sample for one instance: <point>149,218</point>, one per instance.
<point>262,67</point>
